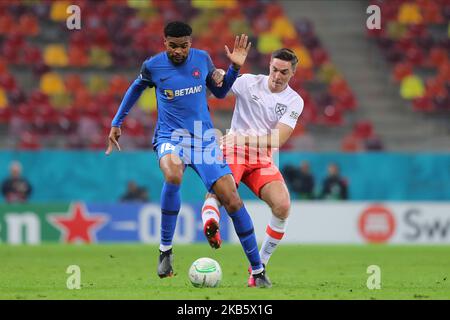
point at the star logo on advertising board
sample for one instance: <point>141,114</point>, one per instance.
<point>78,225</point>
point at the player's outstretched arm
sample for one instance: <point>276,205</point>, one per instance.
<point>113,139</point>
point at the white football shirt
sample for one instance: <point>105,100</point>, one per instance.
<point>258,110</point>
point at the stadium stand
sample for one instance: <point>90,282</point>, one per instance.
<point>60,88</point>
<point>416,42</point>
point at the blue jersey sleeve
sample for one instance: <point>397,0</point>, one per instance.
<point>228,80</point>
<point>133,93</point>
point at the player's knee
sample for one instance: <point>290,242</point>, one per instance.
<point>281,209</point>
<point>173,177</point>
<point>232,203</point>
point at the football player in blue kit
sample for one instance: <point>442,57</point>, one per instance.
<point>181,76</point>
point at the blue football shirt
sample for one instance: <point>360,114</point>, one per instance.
<point>180,92</point>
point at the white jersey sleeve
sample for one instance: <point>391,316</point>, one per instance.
<point>293,112</point>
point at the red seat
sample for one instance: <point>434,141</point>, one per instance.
<point>415,56</point>
<point>363,129</point>
<point>28,141</point>
<point>351,143</point>
<point>5,114</point>
<point>423,104</point>
<point>401,70</point>
<point>332,116</point>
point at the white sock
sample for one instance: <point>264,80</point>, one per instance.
<point>210,210</point>
<point>274,233</point>
<point>164,248</point>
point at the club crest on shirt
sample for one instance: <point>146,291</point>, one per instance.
<point>280,109</point>
<point>169,93</point>
<point>196,73</point>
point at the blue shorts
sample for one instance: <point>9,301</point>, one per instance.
<point>206,159</point>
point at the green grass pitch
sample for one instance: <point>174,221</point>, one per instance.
<point>119,271</point>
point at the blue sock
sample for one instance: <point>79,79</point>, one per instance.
<point>170,206</point>
<point>244,228</point>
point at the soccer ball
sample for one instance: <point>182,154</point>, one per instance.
<point>205,272</point>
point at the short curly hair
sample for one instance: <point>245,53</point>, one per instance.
<point>177,29</point>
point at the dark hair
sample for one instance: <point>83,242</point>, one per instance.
<point>177,29</point>
<point>286,54</point>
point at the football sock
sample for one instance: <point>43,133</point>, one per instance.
<point>170,206</point>
<point>210,210</point>
<point>244,229</point>
<point>274,233</point>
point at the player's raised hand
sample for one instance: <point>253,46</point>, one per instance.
<point>113,139</point>
<point>240,51</point>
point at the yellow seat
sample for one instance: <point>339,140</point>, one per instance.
<point>61,101</point>
<point>51,83</point>
<point>139,4</point>
<point>409,13</point>
<point>55,55</point>
<point>283,28</point>
<point>268,42</point>
<point>58,10</point>
<point>303,56</point>
<point>412,87</point>
<point>99,57</point>
<point>202,4</point>
<point>327,72</point>
<point>3,98</point>
<point>97,84</point>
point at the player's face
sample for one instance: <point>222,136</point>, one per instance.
<point>280,73</point>
<point>177,48</point>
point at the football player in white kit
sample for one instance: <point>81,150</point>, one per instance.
<point>264,118</point>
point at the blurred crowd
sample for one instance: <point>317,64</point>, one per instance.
<point>302,184</point>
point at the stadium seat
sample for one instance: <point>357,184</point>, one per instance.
<point>28,141</point>
<point>55,55</point>
<point>434,87</point>
<point>99,57</point>
<point>409,13</point>
<point>283,28</point>
<point>423,104</point>
<point>3,99</point>
<point>412,87</point>
<point>437,57</point>
<point>58,10</point>
<point>319,56</point>
<point>441,102</point>
<point>28,25</point>
<point>51,83</point>
<point>351,143</point>
<point>332,116</point>
<point>97,84</point>
<point>5,115</point>
<point>7,81</point>
<point>363,129</point>
<point>6,23</point>
<point>31,54</point>
<point>78,56</point>
<point>268,42</point>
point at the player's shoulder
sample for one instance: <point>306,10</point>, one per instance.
<point>199,53</point>
<point>248,78</point>
<point>295,99</point>
<point>155,59</point>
